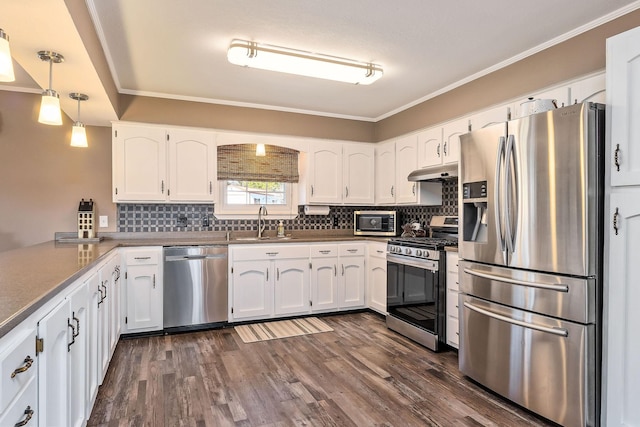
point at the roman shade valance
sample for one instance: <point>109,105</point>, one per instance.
<point>239,162</point>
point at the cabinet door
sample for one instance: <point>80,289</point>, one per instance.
<point>104,321</point>
<point>377,295</point>
<point>144,298</point>
<point>78,352</point>
<point>406,162</point>
<point>385,173</point>
<point>358,174</point>
<point>451,140</point>
<point>623,102</point>
<point>139,163</point>
<point>291,286</point>
<point>351,284</point>
<point>93,337</point>
<point>325,173</point>
<point>621,299</point>
<point>489,117</point>
<point>115,326</point>
<point>430,147</point>
<point>192,166</point>
<point>252,289</point>
<point>324,284</point>
<point>53,366</point>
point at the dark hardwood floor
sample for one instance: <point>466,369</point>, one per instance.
<point>362,374</point>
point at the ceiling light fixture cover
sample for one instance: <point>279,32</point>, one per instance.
<point>285,60</point>
<point>79,133</point>
<point>6,63</point>
<point>50,113</point>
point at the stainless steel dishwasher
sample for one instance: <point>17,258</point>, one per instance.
<point>195,286</point>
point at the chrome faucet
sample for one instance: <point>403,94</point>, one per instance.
<point>261,222</point>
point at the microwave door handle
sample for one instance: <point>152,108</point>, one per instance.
<point>555,331</point>
<point>510,182</point>
<point>497,196</point>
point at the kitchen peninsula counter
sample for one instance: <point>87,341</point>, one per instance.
<point>31,276</point>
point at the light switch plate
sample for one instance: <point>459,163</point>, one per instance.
<point>104,221</point>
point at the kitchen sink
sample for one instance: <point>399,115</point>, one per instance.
<point>261,238</point>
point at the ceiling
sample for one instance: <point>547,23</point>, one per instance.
<point>177,49</point>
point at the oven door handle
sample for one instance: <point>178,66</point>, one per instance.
<point>555,331</point>
<point>423,264</point>
<point>504,279</point>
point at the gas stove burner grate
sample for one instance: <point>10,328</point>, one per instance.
<point>420,242</point>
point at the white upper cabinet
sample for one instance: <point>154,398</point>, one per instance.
<point>489,117</point>
<point>153,164</point>
<point>325,173</point>
<point>385,178</point>
<point>139,163</point>
<point>451,140</point>
<point>430,147</point>
<point>591,89</point>
<point>406,162</point>
<point>358,174</point>
<point>192,166</point>
<point>623,94</point>
<point>339,174</point>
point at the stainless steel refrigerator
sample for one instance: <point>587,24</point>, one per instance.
<point>531,215</point>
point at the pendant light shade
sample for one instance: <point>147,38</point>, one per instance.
<point>79,133</point>
<point>6,63</point>
<point>260,150</point>
<point>50,106</point>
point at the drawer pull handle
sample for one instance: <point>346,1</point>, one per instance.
<point>142,257</point>
<point>352,251</point>
<point>29,413</point>
<point>324,252</point>
<point>28,361</point>
<point>272,253</point>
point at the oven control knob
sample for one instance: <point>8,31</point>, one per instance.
<point>419,253</point>
<point>407,251</point>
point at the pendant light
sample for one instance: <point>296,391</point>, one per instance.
<point>79,133</point>
<point>260,150</point>
<point>6,63</point>
<point>50,113</point>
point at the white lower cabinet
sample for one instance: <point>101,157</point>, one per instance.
<point>93,355</point>
<point>324,278</point>
<point>23,410</point>
<point>268,281</point>
<point>78,356</point>
<point>143,289</point>
<point>377,278</point>
<point>351,279</point>
<point>452,300</point>
<point>54,332</point>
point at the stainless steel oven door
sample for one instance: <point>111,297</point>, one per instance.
<point>545,364</point>
<point>412,291</point>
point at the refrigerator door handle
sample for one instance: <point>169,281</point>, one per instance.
<point>555,331</point>
<point>498,196</point>
<point>505,279</point>
<point>511,181</point>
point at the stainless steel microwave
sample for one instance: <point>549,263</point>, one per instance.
<point>375,223</point>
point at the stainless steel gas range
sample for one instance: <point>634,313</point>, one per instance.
<point>416,288</point>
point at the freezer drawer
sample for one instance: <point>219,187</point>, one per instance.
<point>546,365</point>
<point>565,297</point>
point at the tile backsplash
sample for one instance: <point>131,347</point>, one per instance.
<point>193,217</point>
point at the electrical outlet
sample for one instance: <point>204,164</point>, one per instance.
<point>104,221</point>
<point>335,221</point>
<point>205,221</point>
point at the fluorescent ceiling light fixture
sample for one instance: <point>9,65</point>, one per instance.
<point>260,150</point>
<point>6,63</point>
<point>50,113</point>
<point>285,60</point>
<point>79,133</point>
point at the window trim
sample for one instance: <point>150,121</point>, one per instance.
<point>274,212</point>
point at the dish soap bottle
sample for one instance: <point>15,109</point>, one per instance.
<point>280,229</point>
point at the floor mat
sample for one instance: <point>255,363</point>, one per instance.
<point>281,329</point>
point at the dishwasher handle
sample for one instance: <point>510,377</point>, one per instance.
<point>171,258</point>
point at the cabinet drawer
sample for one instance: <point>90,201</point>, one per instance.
<point>324,251</point>
<point>452,303</point>
<point>452,281</point>
<point>15,362</point>
<point>378,250</point>
<point>23,408</point>
<point>452,262</point>
<point>143,256</point>
<point>453,338</point>
<point>256,252</point>
<point>351,249</point>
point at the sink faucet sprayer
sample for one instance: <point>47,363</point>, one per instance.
<point>261,221</point>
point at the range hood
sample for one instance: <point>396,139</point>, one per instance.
<point>435,173</point>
